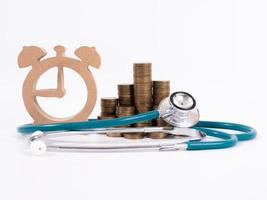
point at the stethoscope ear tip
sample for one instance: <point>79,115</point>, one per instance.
<point>38,147</point>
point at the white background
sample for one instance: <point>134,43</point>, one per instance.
<point>214,49</point>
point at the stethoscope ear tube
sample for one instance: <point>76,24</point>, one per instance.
<point>76,126</point>
<point>247,132</point>
<point>228,140</point>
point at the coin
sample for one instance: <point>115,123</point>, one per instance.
<point>143,124</point>
<point>125,89</point>
<point>141,109</point>
<point>125,111</point>
<point>142,67</point>
<point>110,134</point>
<point>157,135</point>
<point>114,134</point>
<point>161,122</point>
<point>134,135</point>
<point>109,101</point>
<point>126,100</point>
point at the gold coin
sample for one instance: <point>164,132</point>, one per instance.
<point>114,134</point>
<point>126,100</point>
<point>143,103</point>
<point>140,109</point>
<point>125,110</point>
<point>143,124</point>
<point>108,111</point>
<point>142,80</point>
<point>160,122</point>
<point>161,83</point>
<point>110,117</point>
<point>109,101</point>
<point>142,66</point>
<point>157,135</point>
<point>134,135</point>
<point>125,89</point>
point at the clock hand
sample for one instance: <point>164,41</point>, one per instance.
<point>60,83</point>
<point>59,92</point>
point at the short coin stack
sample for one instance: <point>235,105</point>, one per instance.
<point>127,111</point>
<point>126,94</point>
<point>108,111</point>
<point>108,106</point>
<point>143,90</point>
<point>161,90</point>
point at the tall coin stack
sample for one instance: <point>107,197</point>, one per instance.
<point>161,90</point>
<point>108,111</point>
<point>143,90</point>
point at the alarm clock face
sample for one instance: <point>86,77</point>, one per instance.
<point>60,88</point>
<point>67,97</point>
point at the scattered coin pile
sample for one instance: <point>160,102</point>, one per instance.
<point>141,96</point>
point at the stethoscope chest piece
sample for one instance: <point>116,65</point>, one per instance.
<point>179,110</point>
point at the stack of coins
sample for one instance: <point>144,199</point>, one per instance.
<point>160,123</point>
<point>126,94</point>
<point>127,111</point>
<point>158,135</point>
<point>108,111</point>
<point>161,90</point>
<point>143,90</point>
<point>108,106</point>
<point>142,96</point>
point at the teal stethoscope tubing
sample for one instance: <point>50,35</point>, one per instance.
<point>228,140</point>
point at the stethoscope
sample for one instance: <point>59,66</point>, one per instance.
<point>179,110</point>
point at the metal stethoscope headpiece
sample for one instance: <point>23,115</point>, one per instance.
<point>179,110</point>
